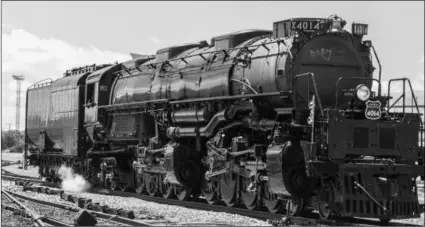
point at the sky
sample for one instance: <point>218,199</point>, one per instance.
<point>43,39</point>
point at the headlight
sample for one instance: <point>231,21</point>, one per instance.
<point>363,92</point>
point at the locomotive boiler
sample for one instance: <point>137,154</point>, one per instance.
<point>281,118</point>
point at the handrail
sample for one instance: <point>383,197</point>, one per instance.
<point>36,83</point>
<point>352,78</point>
<point>380,69</point>
<point>245,84</point>
<point>279,40</point>
<point>421,125</point>
<point>403,95</point>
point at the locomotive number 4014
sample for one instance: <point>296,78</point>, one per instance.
<point>305,25</point>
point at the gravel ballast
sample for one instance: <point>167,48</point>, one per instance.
<point>150,210</point>
<point>175,214</point>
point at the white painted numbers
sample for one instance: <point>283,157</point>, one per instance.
<point>287,28</point>
<point>305,25</point>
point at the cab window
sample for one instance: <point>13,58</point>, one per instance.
<point>90,93</point>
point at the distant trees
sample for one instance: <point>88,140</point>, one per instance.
<point>11,138</point>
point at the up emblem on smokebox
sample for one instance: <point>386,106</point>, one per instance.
<point>373,110</point>
<point>324,53</point>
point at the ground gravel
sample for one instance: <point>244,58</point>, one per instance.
<point>173,214</point>
<point>168,213</point>
<point>158,213</point>
<point>414,221</point>
<point>9,219</point>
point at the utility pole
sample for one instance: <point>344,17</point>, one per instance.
<point>18,79</point>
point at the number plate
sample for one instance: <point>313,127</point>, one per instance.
<point>305,25</point>
<point>373,110</point>
<point>288,27</point>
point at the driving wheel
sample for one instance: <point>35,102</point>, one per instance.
<point>167,190</point>
<point>140,184</point>
<point>209,191</point>
<point>228,188</point>
<point>152,184</point>
<point>182,192</point>
<point>294,206</point>
<point>325,199</point>
<point>272,202</point>
<point>248,197</point>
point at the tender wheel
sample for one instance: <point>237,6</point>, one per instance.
<point>295,206</point>
<point>182,192</point>
<point>209,191</point>
<point>152,184</point>
<point>167,190</point>
<point>140,189</point>
<point>228,189</point>
<point>249,198</point>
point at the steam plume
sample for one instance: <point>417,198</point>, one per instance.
<point>71,181</point>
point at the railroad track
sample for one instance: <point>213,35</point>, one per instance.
<point>42,220</point>
<point>200,204</point>
<point>25,211</point>
<point>8,163</point>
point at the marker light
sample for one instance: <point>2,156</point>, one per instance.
<point>363,92</point>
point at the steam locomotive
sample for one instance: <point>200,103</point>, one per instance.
<point>283,119</point>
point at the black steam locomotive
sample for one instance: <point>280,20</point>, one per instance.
<point>284,119</point>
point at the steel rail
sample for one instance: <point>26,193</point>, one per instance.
<point>54,222</point>
<point>24,214</point>
<point>36,217</point>
<point>109,217</point>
